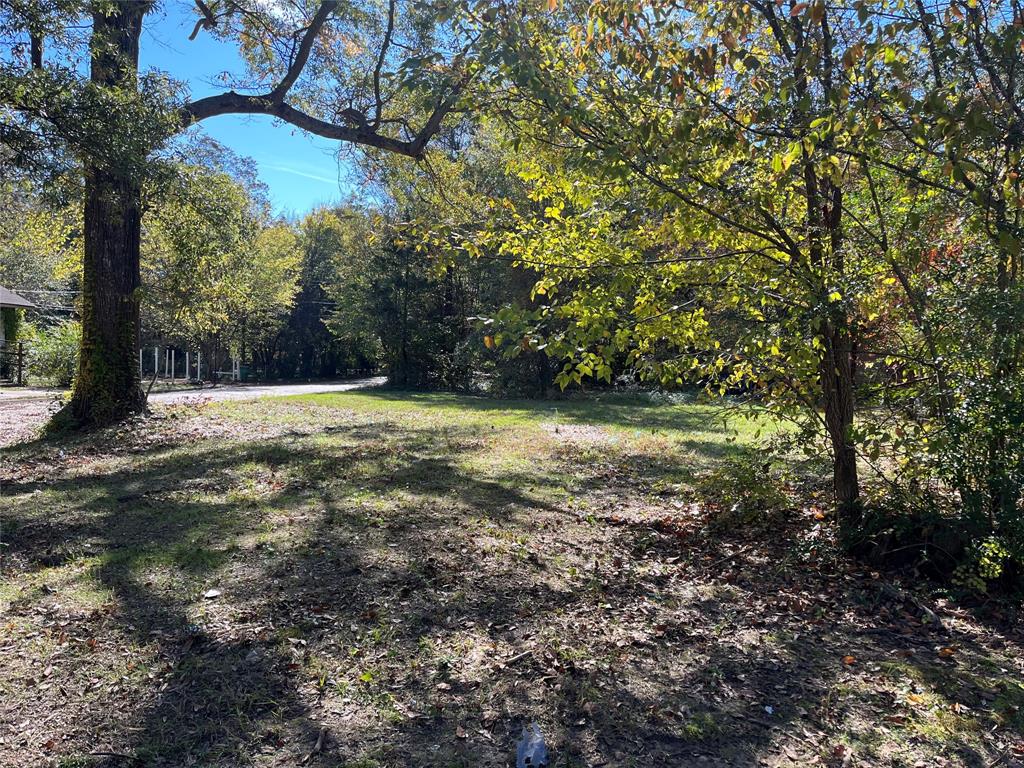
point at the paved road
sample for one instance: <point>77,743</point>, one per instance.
<point>253,391</point>
<point>220,392</point>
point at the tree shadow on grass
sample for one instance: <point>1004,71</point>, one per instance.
<point>376,597</point>
<point>653,695</point>
<point>215,683</point>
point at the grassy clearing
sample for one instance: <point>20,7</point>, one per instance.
<point>408,579</point>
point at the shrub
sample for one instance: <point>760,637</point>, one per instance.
<point>745,488</point>
<point>53,355</point>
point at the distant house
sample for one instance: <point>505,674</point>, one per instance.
<point>9,300</point>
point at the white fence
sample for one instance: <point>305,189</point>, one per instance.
<point>169,365</point>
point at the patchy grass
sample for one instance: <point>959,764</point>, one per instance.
<point>407,580</point>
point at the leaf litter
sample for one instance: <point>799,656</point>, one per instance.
<point>407,588</point>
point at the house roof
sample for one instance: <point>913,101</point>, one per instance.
<point>11,299</point>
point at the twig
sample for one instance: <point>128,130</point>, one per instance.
<point>318,747</point>
<point>998,758</point>
<point>727,558</point>
<point>515,658</point>
<point>151,383</point>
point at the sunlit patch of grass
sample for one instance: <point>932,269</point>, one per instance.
<point>639,416</point>
<point>1009,703</point>
<point>72,583</point>
<point>924,705</point>
<point>10,590</point>
<point>699,727</point>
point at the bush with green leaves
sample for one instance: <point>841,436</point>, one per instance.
<point>745,488</point>
<point>53,354</point>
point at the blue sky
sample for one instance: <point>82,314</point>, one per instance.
<point>301,170</point>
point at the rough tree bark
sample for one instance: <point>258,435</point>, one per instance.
<point>838,402</point>
<point>107,387</point>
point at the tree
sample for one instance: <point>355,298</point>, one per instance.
<point>309,349</point>
<point>725,124</point>
<point>114,121</point>
<point>953,114</point>
<point>405,276</point>
<point>40,244</point>
<point>819,202</point>
<point>214,269</point>
<point>271,282</point>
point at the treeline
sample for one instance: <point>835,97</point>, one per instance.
<point>341,289</point>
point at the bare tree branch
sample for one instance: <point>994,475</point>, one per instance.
<point>209,21</point>
<point>385,43</point>
<point>359,129</point>
<point>302,54</point>
<point>232,103</point>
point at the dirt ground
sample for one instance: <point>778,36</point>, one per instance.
<point>372,579</point>
<point>20,419</point>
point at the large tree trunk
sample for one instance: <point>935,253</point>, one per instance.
<point>107,387</point>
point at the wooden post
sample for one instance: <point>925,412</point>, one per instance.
<point>172,366</point>
<point>188,366</point>
<point>199,365</point>
<point>21,363</point>
<point>156,362</point>
<point>140,362</point>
